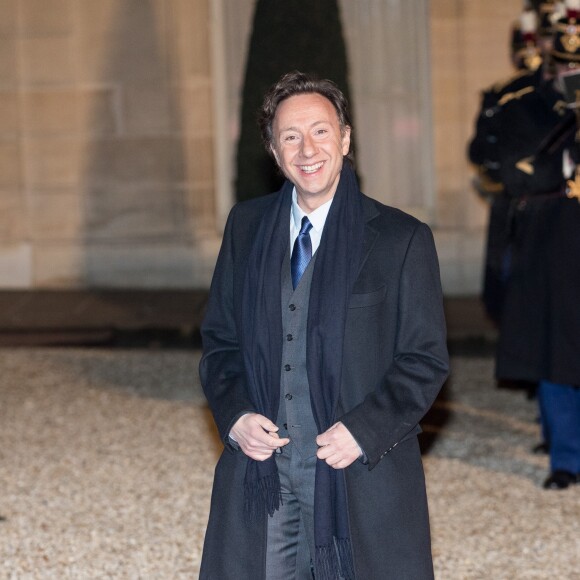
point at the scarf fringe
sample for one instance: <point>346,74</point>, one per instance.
<point>345,555</point>
<point>266,494</point>
<point>326,566</point>
<point>335,561</point>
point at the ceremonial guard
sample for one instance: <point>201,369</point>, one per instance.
<point>483,152</point>
<point>540,320</point>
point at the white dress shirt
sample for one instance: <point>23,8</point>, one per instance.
<point>317,219</point>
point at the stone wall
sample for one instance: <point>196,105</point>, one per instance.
<point>469,52</point>
<point>107,163</point>
<point>106,147</point>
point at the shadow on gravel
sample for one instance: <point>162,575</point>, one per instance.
<point>439,415</point>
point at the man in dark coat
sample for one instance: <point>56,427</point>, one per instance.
<point>324,346</point>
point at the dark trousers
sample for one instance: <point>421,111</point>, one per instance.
<point>560,414</point>
<point>290,548</point>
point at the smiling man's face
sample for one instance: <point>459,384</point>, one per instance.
<point>309,147</point>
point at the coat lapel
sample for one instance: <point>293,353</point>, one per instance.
<point>371,234</point>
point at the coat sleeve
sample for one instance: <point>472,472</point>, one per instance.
<point>420,363</point>
<point>221,369</point>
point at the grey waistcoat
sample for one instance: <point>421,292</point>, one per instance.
<point>295,418</point>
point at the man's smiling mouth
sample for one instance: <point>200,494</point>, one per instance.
<point>311,168</point>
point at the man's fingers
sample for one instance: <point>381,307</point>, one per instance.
<point>266,424</point>
<point>274,440</point>
<point>257,436</point>
<point>325,452</point>
<point>336,459</point>
<point>260,449</point>
<point>342,464</point>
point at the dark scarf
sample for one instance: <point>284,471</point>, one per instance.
<point>335,271</point>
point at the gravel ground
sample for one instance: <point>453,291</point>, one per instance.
<point>107,456</point>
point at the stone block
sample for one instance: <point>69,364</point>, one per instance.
<point>446,107</point>
<point>450,154</point>
<point>139,160</point>
<point>200,160</point>
<point>150,108</point>
<point>55,161</point>
<point>10,164</point>
<point>12,222</point>
<point>473,246</point>
<point>15,265</point>
<point>447,245</point>
<point>59,265</point>
<point>47,60</point>
<point>498,10</point>
<point>70,111</point>
<point>477,212</point>
<point>136,213</point>
<point>189,32</point>
<point>121,40</point>
<point>445,9</point>
<point>56,215</point>
<point>206,253</point>
<point>8,72</point>
<point>98,18</point>
<point>96,21</point>
<point>445,40</point>
<point>451,207</point>
<point>8,9</point>
<point>472,279</point>
<point>157,265</point>
<point>462,264</point>
<point>9,114</point>
<point>201,209</point>
<point>197,110</point>
<point>46,17</point>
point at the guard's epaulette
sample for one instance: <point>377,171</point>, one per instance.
<point>515,95</point>
<point>526,165</point>
<point>501,85</point>
<point>560,107</point>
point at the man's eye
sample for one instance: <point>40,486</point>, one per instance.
<point>321,131</point>
<point>290,138</point>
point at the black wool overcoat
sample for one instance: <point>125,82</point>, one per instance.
<point>394,363</point>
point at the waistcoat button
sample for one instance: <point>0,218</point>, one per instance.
<point>289,337</point>
<point>288,397</point>
<point>292,307</point>
<point>287,367</point>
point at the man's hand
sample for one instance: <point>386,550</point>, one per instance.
<point>338,447</point>
<point>257,436</point>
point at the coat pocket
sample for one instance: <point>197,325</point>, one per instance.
<point>367,298</point>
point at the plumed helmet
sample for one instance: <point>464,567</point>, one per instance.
<point>566,46</point>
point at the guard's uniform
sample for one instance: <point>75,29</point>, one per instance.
<point>536,181</point>
<point>484,152</point>
<point>540,323</point>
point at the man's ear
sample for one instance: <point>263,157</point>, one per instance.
<point>275,155</point>
<point>345,140</point>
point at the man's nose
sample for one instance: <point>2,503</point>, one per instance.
<point>308,146</point>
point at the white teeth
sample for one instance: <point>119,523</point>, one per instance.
<point>311,168</point>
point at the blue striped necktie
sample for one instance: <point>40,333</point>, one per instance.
<point>301,253</point>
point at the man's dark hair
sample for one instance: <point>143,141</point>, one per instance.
<point>298,83</point>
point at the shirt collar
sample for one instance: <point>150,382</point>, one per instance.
<point>317,218</point>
